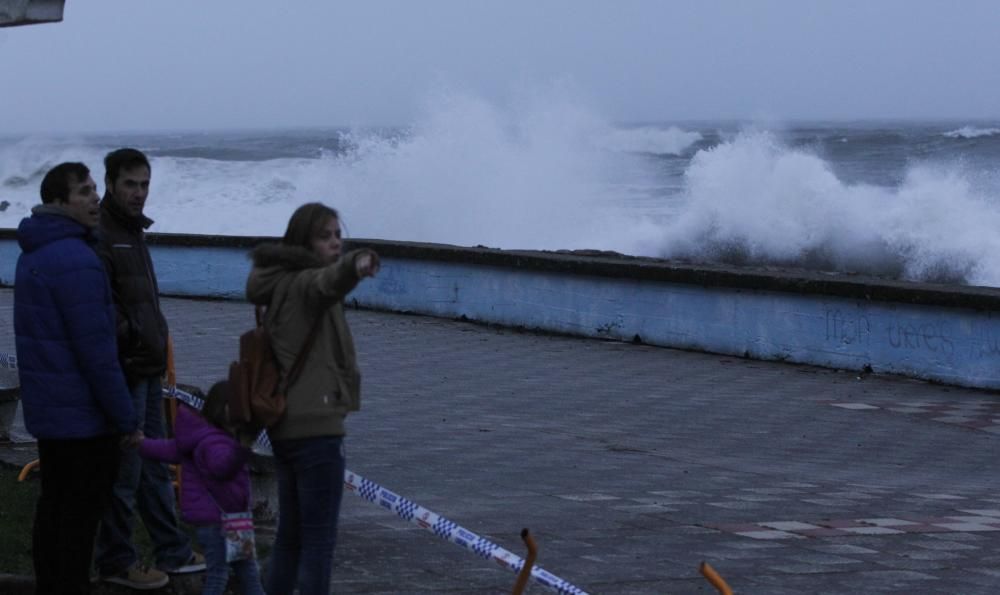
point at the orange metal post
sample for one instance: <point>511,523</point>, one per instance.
<point>714,578</point>
<point>27,469</point>
<point>171,409</point>
<point>529,563</point>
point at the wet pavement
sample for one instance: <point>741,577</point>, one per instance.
<point>632,464</point>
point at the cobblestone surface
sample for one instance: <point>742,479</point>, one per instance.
<point>632,464</point>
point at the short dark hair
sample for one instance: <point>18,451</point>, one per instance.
<point>306,223</point>
<point>55,184</point>
<point>116,161</point>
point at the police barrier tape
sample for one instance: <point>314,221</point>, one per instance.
<point>442,527</point>
<point>405,509</point>
<point>410,511</point>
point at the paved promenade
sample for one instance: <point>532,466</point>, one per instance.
<point>631,464</point>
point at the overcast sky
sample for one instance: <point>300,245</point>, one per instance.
<point>185,64</point>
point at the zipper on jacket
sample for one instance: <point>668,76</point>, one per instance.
<point>149,272</point>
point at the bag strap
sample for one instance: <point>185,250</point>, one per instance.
<point>300,360</point>
<point>293,373</point>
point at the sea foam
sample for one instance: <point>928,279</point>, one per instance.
<point>971,132</point>
<point>754,200</point>
<point>550,173</point>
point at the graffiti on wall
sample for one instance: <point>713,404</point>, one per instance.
<point>848,328</point>
<point>929,337</point>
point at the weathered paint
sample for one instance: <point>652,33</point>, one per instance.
<point>953,345</point>
<point>201,271</point>
<point>184,271</point>
<point>923,339</point>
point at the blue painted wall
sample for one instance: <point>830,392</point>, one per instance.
<point>956,345</point>
<point>202,271</point>
<point>9,251</point>
<point>953,345</point>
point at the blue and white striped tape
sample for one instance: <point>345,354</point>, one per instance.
<point>448,530</point>
<point>404,508</point>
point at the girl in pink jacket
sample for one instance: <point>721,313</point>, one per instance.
<point>215,479</point>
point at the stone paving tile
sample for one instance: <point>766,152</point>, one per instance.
<point>793,568</point>
<point>976,414</point>
<point>623,458</point>
<point>842,548</point>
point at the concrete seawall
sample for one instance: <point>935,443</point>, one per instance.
<point>936,332</point>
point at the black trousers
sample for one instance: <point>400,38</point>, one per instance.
<point>77,477</point>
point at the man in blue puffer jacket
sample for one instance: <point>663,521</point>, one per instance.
<point>74,396</point>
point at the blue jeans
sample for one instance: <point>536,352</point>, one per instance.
<point>217,569</point>
<point>310,484</point>
<point>142,485</point>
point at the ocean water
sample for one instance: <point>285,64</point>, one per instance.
<point>902,200</point>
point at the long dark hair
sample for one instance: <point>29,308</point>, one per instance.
<point>214,409</point>
<point>306,223</point>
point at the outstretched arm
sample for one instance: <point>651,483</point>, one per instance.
<point>333,282</point>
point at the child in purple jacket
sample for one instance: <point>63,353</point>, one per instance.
<point>214,479</point>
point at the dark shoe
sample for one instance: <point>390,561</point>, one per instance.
<point>196,563</point>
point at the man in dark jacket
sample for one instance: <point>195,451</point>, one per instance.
<point>142,350</point>
<point>75,399</point>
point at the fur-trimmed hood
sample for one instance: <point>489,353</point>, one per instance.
<point>273,262</point>
<point>293,258</point>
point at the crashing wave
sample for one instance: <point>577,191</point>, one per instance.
<point>972,132</point>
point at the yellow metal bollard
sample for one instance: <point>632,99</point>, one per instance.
<point>529,563</point>
<point>170,380</point>
<point>27,469</point>
<point>714,578</point>
<point>171,411</point>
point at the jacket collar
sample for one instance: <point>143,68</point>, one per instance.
<point>49,209</point>
<point>56,210</point>
<point>47,224</point>
<point>127,221</point>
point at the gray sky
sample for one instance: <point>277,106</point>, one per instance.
<point>185,64</point>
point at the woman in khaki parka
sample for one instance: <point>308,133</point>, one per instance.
<point>303,281</point>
